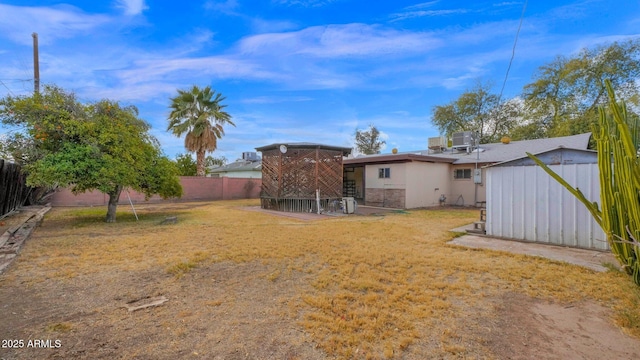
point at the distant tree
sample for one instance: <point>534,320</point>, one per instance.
<point>101,146</point>
<point>18,148</point>
<point>216,161</point>
<point>564,96</point>
<point>199,114</point>
<point>368,141</point>
<point>186,165</point>
<point>477,110</point>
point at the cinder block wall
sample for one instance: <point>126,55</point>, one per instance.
<point>194,189</point>
<point>393,198</point>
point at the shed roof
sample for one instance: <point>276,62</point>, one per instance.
<point>556,156</point>
<point>306,145</point>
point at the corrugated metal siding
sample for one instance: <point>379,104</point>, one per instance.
<point>525,203</point>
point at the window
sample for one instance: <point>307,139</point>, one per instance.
<point>384,173</point>
<point>462,174</point>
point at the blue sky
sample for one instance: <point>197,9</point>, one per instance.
<point>298,70</point>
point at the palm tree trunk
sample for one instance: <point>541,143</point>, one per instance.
<point>200,161</point>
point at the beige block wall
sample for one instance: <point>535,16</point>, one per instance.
<point>425,183</point>
<point>466,187</point>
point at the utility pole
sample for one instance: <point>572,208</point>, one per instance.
<point>36,65</point>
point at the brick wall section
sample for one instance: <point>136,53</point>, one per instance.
<point>393,198</point>
<point>194,189</point>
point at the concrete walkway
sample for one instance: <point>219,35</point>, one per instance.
<point>591,259</point>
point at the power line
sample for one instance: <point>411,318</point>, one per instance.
<point>3,84</point>
<point>513,51</point>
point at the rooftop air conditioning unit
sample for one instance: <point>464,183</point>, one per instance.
<point>437,143</point>
<point>250,156</point>
<point>464,139</point>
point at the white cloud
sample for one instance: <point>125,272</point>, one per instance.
<point>426,13</point>
<point>334,41</point>
<point>275,99</point>
<point>269,26</point>
<point>174,69</point>
<point>61,21</point>
<point>423,5</point>
<point>226,7</point>
<point>131,7</point>
<point>303,3</point>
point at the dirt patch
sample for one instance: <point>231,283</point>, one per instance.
<point>527,328</point>
<point>220,311</point>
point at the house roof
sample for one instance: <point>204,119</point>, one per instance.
<point>240,165</point>
<point>306,145</point>
<point>488,154</point>
<point>395,158</point>
<point>498,152</point>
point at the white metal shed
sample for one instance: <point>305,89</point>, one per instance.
<point>525,203</point>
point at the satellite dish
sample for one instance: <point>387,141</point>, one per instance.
<point>283,148</point>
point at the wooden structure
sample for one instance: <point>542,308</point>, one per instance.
<point>13,189</point>
<point>292,173</point>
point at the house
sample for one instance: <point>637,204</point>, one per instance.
<point>249,167</point>
<point>439,175</point>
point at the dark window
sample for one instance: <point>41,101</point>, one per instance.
<point>384,173</point>
<point>462,174</point>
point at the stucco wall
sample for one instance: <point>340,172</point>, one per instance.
<point>396,181</point>
<point>386,192</point>
<point>194,189</point>
<point>426,182</point>
<point>466,187</point>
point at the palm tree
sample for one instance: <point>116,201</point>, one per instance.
<point>198,112</point>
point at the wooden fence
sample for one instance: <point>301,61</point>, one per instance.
<point>13,189</point>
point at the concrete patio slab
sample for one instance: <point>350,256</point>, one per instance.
<point>591,259</point>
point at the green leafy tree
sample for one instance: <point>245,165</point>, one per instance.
<point>18,148</point>
<point>477,110</point>
<point>199,114</point>
<point>619,165</point>
<point>29,117</point>
<point>186,165</point>
<point>564,97</point>
<point>216,161</point>
<point>101,146</point>
<point>368,141</point>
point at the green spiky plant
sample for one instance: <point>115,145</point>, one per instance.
<point>619,167</point>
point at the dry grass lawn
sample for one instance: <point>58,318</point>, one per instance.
<point>244,284</point>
